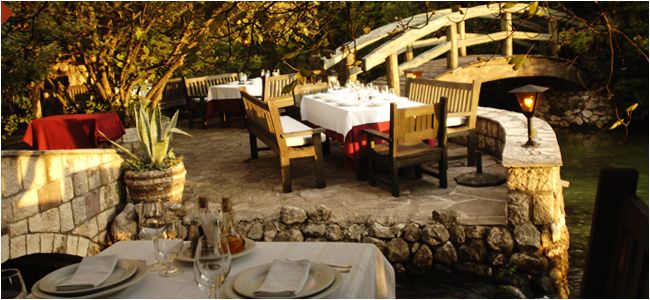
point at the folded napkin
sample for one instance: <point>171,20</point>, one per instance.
<point>286,278</point>
<point>92,271</point>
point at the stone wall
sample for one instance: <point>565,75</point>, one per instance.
<point>58,200</point>
<point>577,108</point>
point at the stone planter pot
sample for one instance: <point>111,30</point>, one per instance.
<point>159,185</point>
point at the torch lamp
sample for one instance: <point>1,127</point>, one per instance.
<point>529,96</point>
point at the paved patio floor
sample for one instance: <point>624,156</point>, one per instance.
<point>218,164</point>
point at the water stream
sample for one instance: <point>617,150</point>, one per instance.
<point>584,154</point>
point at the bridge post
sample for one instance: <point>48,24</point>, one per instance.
<point>392,73</point>
<point>452,37</point>
<point>506,25</point>
<point>409,53</point>
<point>553,41</point>
<point>461,36</point>
<point>349,64</point>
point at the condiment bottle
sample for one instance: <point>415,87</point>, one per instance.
<point>193,235</point>
<point>236,241</point>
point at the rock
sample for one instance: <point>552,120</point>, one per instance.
<point>446,218</point>
<point>412,232</point>
<point>256,231</point>
<point>291,235</point>
<point>397,229</point>
<point>587,113</point>
<point>473,269</point>
<point>380,231</point>
<point>509,292</point>
<point>546,284</point>
<point>381,245</point>
<point>500,240</point>
<point>434,234</point>
<point>518,208</point>
<point>314,230</point>
<point>397,250</point>
<point>446,254</point>
<point>474,232</point>
<point>291,215</point>
<point>399,268</point>
<point>578,121</point>
<point>529,263</point>
<point>527,236</point>
<point>457,234</point>
<point>244,226</point>
<point>353,233</point>
<point>497,259</point>
<point>319,214</point>
<point>334,232</point>
<point>124,225</point>
<point>473,250</point>
<point>270,232</point>
<point>423,257</point>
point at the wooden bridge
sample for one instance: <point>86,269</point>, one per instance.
<point>423,34</point>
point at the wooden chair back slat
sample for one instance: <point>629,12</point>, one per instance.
<point>307,88</point>
<point>174,94</point>
<point>79,93</point>
<point>272,90</point>
<point>264,119</point>
<point>198,86</point>
<point>617,259</point>
<point>412,125</point>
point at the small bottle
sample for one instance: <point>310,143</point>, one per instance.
<point>236,241</point>
<point>193,236</point>
<point>203,210</point>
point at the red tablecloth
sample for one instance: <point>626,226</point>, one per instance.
<point>72,131</point>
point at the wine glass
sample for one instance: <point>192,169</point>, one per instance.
<point>13,286</point>
<point>169,249</point>
<point>153,229</point>
<point>212,260</point>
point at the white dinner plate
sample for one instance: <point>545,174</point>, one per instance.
<point>186,256</point>
<point>123,270</point>
<point>139,274</point>
<point>347,103</point>
<point>320,277</point>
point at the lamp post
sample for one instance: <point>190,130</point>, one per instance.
<point>529,96</point>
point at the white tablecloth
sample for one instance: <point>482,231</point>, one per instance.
<point>371,276</point>
<point>341,119</point>
<point>231,90</point>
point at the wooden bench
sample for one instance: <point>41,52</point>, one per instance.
<point>174,95</point>
<point>617,257</point>
<point>197,91</point>
<point>461,106</point>
<point>287,137</point>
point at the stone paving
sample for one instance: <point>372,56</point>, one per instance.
<point>218,164</point>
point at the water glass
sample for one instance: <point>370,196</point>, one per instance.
<point>169,249</point>
<point>13,286</point>
<point>212,260</point>
<point>154,230</point>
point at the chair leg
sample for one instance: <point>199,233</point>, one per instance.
<point>418,172</point>
<point>253,144</point>
<point>394,180</point>
<point>190,115</point>
<point>471,148</point>
<point>371,172</point>
<point>442,169</point>
<point>326,146</point>
<point>204,114</point>
<point>320,168</point>
<point>286,175</point>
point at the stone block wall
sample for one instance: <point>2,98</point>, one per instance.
<point>58,200</point>
<point>577,108</point>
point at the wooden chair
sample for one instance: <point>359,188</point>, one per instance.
<point>300,91</point>
<point>409,127</point>
<point>617,257</point>
<point>272,90</point>
<point>286,136</point>
<point>174,95</point>
<point>197,91</point>
<point>79,94</point>
<point>463,102</point>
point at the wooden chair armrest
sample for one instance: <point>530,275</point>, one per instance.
<point>312,131</point>
<point>374,133</point>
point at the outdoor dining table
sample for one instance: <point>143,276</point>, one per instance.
<point>344,118</point>
<point>370,276</point>
<point>74,131</point>
<point>225,98</point>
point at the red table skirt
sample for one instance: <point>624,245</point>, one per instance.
<point>74,131</point>
<point>223,105</point>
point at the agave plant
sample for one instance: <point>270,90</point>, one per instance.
<point>154,140</point>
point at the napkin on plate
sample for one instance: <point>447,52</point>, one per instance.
<point>286,278</point>
<point>92,271</point>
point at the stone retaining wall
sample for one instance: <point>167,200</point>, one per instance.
<point>577,108</point>
<point>58,200</point>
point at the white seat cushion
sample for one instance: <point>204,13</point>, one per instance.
<point>290,124</point>
<point>456,121</point>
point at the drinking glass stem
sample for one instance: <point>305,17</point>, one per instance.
<point>214,289</point>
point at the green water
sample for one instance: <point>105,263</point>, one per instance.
<point>584,154</point>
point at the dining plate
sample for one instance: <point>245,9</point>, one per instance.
<point>141,271</point>
<point>320,277</point>
<point>124,269</point>
<point>230,293</point>
<point>186,256</point>
<point>347,103</point>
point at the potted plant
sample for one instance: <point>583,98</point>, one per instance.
<point>155,173</point>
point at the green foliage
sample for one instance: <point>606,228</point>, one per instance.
<point>155,138</point>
